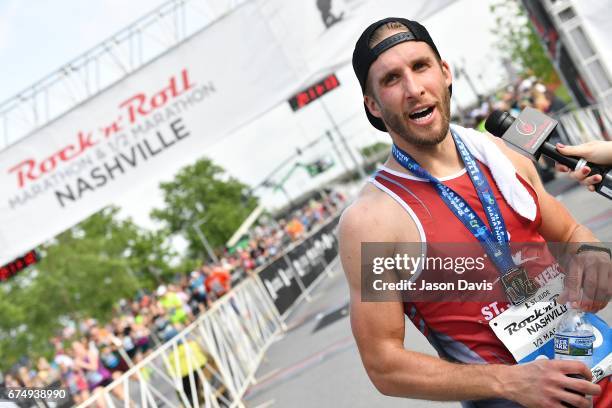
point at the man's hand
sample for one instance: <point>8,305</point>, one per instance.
<point>588,283</point>
<point>544,383</point>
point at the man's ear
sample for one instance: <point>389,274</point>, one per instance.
<point>372,106</point>
<point>448,75</point>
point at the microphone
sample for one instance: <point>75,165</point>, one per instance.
<point>529,133</point>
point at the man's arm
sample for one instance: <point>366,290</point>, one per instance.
<point>589,275</point>
<point>378,328</point>
<point>558,225</point>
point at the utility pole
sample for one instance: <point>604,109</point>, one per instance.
<point>343,140</point>
<point>335,147</point>
<point>284,190</point>
<point>463,72</point>
<point>196,226</point>
<point>198,230</point>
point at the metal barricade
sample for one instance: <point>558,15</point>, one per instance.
<point>210,363</point>
<point>293,273</point>
<point>587,124</point>
<point>238,330</point>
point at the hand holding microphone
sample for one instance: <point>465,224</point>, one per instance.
<point>529,133</point>
<point>599,152</point>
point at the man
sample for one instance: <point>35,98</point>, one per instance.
<point>407,90</point>
<point>172,303</point>
<point>218,282</point>
<point>199,296</point>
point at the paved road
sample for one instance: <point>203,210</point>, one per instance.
<point>321,368</point>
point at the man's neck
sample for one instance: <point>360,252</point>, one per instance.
<point>441,160</point>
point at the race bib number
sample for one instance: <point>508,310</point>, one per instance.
<point>528,330</point>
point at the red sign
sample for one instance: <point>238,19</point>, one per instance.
<point>10,269</point>
<point>308,95</point>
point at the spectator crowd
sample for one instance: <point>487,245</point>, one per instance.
<point>525,92</point>
<point>89,354</point>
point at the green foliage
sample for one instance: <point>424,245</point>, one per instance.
<point>203,191</point>
<point>519,41</point>
<point>149,257</point>
<point>83,272</point>
<point>318,166</point>
<point>562,93</point>
<point>375,148</point>
<point>187,265</point>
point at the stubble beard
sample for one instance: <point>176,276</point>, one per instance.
<point>398,123</point>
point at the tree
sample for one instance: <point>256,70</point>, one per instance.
<point>519,41</point>
<point>203,191</point>
<point>150,256</point>
<point>375,148</point>
<point>84,271</point>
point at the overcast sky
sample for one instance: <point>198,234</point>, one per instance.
<point>37,37</point>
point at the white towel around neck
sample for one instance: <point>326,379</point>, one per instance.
<point>502,170</point>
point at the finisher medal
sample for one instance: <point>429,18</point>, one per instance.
<point>518,286</point>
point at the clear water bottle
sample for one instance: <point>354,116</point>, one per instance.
<point>574,338</point>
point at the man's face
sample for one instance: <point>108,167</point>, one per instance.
<point>410,93</point>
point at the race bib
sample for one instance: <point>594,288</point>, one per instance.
<point>528,330</point>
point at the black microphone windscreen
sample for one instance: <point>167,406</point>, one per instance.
<point>497,123</point>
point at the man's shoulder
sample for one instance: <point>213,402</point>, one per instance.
<point>376,217</point>
<point>522,165</point>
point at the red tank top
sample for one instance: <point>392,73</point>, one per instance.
<point>460,332</point>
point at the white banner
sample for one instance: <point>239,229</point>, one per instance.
<point>596,17</point>
<point>150,124</point>
<point>318,36</point>
<point>140,130</point>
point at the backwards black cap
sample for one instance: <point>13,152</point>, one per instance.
<point>364,56</point>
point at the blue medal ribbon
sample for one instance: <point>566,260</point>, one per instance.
<point>494,240</point>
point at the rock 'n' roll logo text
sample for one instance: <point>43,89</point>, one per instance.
<point>137,106</point>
